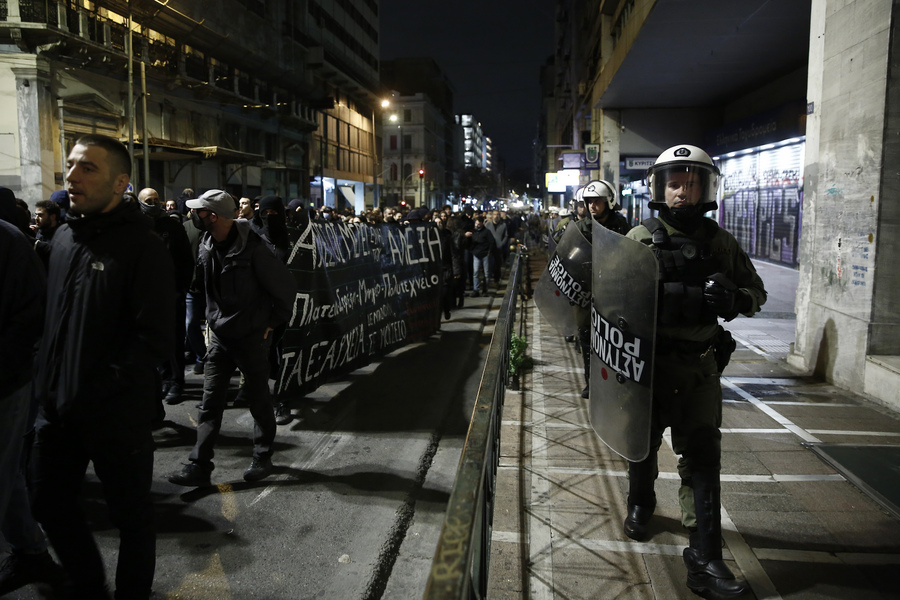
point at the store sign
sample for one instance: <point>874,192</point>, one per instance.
<point>639,164</point>
<point>553,184</point>
<point>592,156</point>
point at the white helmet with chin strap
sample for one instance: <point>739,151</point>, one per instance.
<point>600,189</point>
<point>683,158</point>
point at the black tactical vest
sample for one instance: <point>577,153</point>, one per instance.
<point>684,266</point>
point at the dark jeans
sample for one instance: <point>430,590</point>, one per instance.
<point>251,356</point>
<point>194,315</point>
<point>123,461</point>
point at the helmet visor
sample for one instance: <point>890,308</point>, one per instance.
<point>697,184</point>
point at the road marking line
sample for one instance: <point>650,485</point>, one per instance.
<point>747,561</point>
<point>773,478</point>
<point>767,381</point>
<point>840,432</point>
<point>778,417</point>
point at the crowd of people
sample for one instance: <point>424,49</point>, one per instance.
<point>88,369</point>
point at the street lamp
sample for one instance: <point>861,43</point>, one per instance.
<point>375,165</point>
<point>396,119</point>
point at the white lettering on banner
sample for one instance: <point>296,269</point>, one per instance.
<point>305,242</point>
<point>326,355</point>
<point>393,333</point>
<point>332,244</point>
<point>619,350</point>
<point>362,291</point>
<point>309,312</point>
<point>378,315</point>
<point>570,288</point>
<point>373,294</point>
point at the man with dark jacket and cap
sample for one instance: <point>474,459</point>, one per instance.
<point>249,293</point>
<point>110,285</point>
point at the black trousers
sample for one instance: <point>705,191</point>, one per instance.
<point>251,356</point>
<point>123,461</point>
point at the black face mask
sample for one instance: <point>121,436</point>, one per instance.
<point>151,210</point>
<point>199,223</point>
<point>684,218</point>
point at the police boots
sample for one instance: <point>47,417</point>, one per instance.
<point>708,575</point>
<point>641,498</point>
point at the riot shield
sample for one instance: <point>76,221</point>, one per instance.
<point>564,288</point>
<point>623,333</point>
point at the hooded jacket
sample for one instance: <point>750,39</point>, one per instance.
<point>110,305</point>
<point>247,287</point>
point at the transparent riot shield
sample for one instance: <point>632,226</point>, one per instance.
<point>564,288</point>
<point>623,333</point>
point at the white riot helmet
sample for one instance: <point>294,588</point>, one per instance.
<point>684,159</point>
<point>579,194</point>
<point>600,189</point>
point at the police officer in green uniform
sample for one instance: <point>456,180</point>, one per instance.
<point>600,198</point>
<point>704,274</point>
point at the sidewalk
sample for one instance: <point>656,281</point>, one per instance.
<point>793,526</point>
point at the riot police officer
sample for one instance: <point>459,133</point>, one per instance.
<point>600,198</point>
<point>704,274</point>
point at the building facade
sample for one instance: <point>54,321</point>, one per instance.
<point>254,97</point>
<point>415,153</point>
<point>795,101</point>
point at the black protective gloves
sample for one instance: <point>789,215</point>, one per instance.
<point>722,297</point>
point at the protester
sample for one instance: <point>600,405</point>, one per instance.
<point>179,247</point>
<point>500,252</point>
<point>110,286</point>
<point>21,323</point>
<point>249,293</point>
<point>481,244</point>
<point>46,222</point>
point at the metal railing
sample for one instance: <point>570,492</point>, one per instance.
<point>460,566</point>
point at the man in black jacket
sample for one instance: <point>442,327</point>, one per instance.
<point>110,285</point>
<point>179,247</point>
<point>481,244</point>
<point>249,293</point>
<point>21,323</point>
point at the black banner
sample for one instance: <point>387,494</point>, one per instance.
<point>363,291</point>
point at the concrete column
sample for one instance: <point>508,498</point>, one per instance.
<point>609,146</point>
<point>35,121</point>
<point>850,188</point>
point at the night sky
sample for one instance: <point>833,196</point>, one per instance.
<point>491,50</point>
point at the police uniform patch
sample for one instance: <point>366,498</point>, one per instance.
<point>682,152</point>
